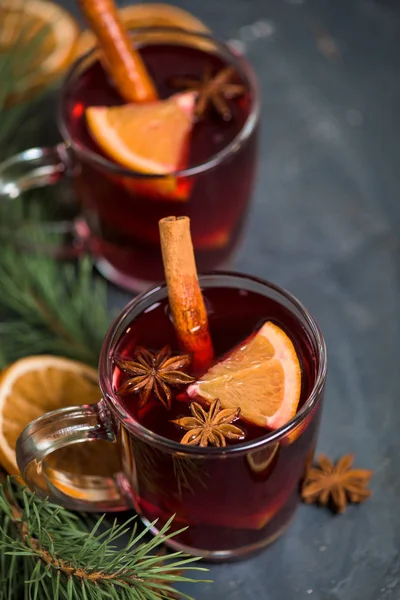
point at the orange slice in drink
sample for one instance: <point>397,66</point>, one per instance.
<point>149,138</point>
<point>139,16</point>
<point>262,377</point>
<point>45,35</point>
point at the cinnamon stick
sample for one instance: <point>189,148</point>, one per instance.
<point>185,298</point>
<point>121,60</point>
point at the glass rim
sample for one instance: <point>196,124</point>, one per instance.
<point>245,70</point>
<point>157,440</point>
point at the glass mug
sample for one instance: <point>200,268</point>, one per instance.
<point>120,208</point>
<point>234,499</point>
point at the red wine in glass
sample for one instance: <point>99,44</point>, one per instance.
<point>239,499</point>
<point>121,208</point>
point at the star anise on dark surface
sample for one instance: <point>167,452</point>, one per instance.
<point>336,485</point>
<point>212,90</point>
<point>213,427</point>
<point>153,372</point>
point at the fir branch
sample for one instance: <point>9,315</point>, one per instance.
<point>61,558</point>
<point>46,305</point>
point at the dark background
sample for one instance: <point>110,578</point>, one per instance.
<point>325,224</point>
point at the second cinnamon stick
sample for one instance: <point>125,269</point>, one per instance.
<point>185,298</point>
<point>123,62</point>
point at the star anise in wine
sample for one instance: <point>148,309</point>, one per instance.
<point>210,427</point>
<point>153,372</point>
<point>337,484</point>
<point>212,90</point>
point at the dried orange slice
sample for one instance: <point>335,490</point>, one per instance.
<point>149,138</point>
<point>148,15</point>
<point>46,35</point>
<point>35,385</point>
<point>262,376</point>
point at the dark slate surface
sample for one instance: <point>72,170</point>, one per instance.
<point>325,224</point>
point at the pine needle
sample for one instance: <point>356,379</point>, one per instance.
<point>46,305</point>
<point>45,310</point>
<point>60,557</point>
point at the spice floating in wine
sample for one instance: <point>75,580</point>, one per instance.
<point>213,426</point>
<point>153,373</point>
<point>185,298</point>
<point>120,58</point>
<point>212,90</point>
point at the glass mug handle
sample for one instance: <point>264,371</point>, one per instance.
<point>31,169</point>
<point>60,429</point>
<point>35,168</point>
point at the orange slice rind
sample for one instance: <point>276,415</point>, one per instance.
<point>262,377</point>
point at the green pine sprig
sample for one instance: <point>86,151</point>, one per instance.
<point>50,307</point>
<point>49,553</point>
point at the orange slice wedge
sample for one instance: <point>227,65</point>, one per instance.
<point>35,385</point>
<point>262,377</point>
<point>149,15</point>
<point>149,138</point>
<point>46,36</point>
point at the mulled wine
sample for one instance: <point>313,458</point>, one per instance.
<point>122,208</point>
<point>232,499</point>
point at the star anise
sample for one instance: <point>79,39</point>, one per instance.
<point>212,90</point>
<point>336,484</point>
<point>213,427</point>
<point>153,372</point>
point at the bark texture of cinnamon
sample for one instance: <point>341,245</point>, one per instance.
<point>121,60</point>
<point>185,298</point>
